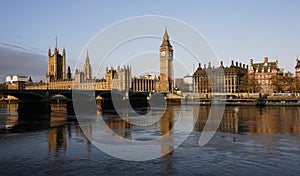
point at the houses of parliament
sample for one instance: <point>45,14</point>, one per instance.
<point>59,77</point>
<point>237,78</point>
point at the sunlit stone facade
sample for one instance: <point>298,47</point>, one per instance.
<point>220,79</point>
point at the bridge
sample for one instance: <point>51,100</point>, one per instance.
<point>40,100</point>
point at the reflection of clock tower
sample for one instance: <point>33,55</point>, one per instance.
<point>166,82</point>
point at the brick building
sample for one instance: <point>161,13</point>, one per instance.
<point>263,74</point>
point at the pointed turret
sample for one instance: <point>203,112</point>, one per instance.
<point>166,36</point>
<point>297,63</point>
<point>166,40</point>
<point>49,52</point>
<point>69,75</point>
<point>87,69</point>
<point>87,58</point>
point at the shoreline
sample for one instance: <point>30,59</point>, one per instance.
<point>208,102</point>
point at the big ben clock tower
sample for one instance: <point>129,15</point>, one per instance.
<point>166,83</point>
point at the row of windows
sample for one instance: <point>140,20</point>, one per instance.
<point>262,77</point>
<point>264,82</point>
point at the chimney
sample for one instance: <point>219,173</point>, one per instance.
<point>247,67</point>
<point>266,60</point>
<point>209,65</point>
<point>232,63</point>
<point>243,65</point>
<point>204,66</point>
<point>199,65</point>
<point>251,61</point>
<point>236,64</point>
<point>221,63</point>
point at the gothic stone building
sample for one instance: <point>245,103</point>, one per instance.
<point>56,65</point>
<point>145,83</point>
<point>166,79</point>
<point>220,79</point>
<point>122,79</point>
<point>56,77</point>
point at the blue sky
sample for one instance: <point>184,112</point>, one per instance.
<point>237,30</point>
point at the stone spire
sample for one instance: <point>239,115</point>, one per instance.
<point>69,74</point>
<point>87,69</point>
<point>166,41</point>
<point>87,58</point>
<point>166,36</point>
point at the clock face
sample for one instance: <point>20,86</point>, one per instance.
<point>163,53</point>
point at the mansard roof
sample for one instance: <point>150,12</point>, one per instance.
<point>233,69</point>
<point>265,67</point>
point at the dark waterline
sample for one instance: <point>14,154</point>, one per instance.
<point>250,140</point>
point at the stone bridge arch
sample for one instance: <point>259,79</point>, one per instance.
<point>27,96</point>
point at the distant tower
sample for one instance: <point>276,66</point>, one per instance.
<point>166,65</point>
<point>87,68</point>
<point>56,65</point>
<point>297,69</point>
<point>69,74</point>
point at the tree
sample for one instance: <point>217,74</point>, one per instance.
<point>277,83</point>
<point>252,85</point>
<point>297,85</point>
<point>286,83</point>
<point>244,83</point>
<point>289,82</point>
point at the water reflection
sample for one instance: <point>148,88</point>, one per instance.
<point>241,119</point>
<point>10,111</point>
<point>57,134</point>
<point>42,144</point>
<point>236,120</point>
<point>276,120</point>
<point>60,130</point>
<point>228,124</point>
<point>166,127</point>
<point>119,127</point>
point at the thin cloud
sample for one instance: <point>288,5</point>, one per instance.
<point>21,61</point>
<point>22,48</point>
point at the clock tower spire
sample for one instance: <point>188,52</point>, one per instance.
<point>166,83</point>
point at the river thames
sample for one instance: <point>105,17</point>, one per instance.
<point>250,140</point>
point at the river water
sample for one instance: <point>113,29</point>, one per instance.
<point>250,140</point>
